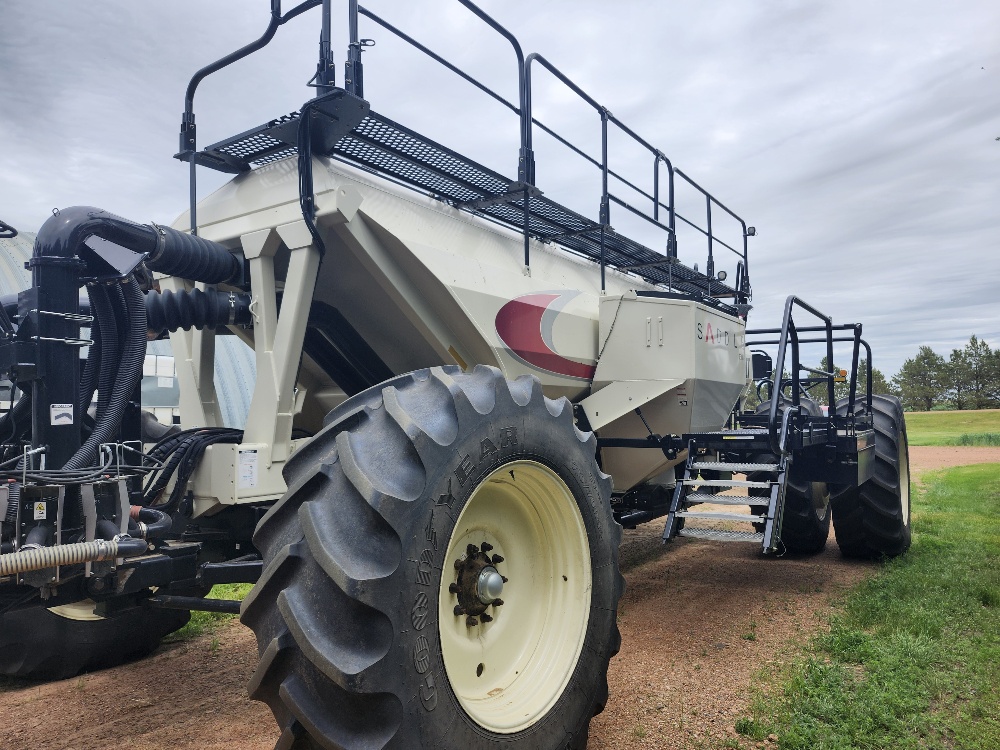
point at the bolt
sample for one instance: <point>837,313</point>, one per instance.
<point>458,564</point>
<point>498,602</point>
<point>453,588</point>
<point>471,550</point>
<point>497,559</point>
<point>486,546</point>
<point>471,622</point>
<point>485,617</point>
<point>459,610</point>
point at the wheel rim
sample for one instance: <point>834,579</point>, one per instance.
<point>510,667</point>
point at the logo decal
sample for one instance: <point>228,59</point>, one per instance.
<point>525,325</point>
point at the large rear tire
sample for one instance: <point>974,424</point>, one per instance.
<point>873,519</point>
<point>373,623</point>
<point>805,525</point>
<point>55,643</point>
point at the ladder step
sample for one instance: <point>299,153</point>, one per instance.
<point>709,516</point>
<point>734,467</point>
<point>718,535</point>
<point>727,483</point>
<point>701,497</point>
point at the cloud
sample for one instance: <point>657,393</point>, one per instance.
<point>858,137</point>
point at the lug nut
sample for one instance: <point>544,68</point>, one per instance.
<point>504,578</point>
<point>498,602</point>
<point>497,559</point>
<point>486,546</point>
<point>471,622</point>
<point>485,618</point>
<point>452,588</point>
<point>471,550</point>
<point>459,610</point>
<point>458,564</point>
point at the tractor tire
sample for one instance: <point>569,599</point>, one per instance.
<point>873,519</point>
<point>55,643</point>
<point>370,617</point>
<point>805,526</point>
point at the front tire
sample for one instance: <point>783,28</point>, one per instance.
<point>372,626</point>
<point>873,519</point>
<point>55,643</point>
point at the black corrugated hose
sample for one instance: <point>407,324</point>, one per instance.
<point>128,377</point>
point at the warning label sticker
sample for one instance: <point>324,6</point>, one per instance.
<point>247,470</point>
<point>60,414</point>
<point>40,511</point>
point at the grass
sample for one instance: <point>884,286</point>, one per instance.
<point>980,427</point>
<point>202,622</point>
<point>912,658</point>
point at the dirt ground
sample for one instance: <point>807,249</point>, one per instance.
<point>698,620</point>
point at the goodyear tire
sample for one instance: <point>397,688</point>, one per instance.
<point>54,643</point>
<point>805,525</point>
<point>873,519</point>
<point>372,627</point>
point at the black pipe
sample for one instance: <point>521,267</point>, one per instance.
<point>170,251</point>
<point>38,536</point>
<point>92,367</point>
<point>156,523</point>
<point>106,529</point>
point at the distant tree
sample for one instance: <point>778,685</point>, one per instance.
<point>957,378</point>
<point>841,390</point>
<point>921,381</point>
<point>974,375</point>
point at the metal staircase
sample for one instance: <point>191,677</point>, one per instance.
<point>707,482</point>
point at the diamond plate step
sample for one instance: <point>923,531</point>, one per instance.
<point>709,516</point>
<point>726,483</point>
<point>701,497</point>
<point>737,468</point>
<point>718,535</point>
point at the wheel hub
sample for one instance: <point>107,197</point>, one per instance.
<point>478,585</point>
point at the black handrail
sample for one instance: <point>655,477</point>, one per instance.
<point>789,334</point>
<point>188,134</point>
<point>526,164</point>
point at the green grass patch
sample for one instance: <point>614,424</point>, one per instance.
<point>912,659</point>
<point>965,427</point>
<point>206,622</point>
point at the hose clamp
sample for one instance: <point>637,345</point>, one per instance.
<point>161,241</point>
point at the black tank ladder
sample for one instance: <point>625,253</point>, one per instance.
<point>707,480</point>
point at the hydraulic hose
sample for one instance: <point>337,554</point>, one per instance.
<point>24,561</point>
<point>129,374</point>
<point>153,524</point>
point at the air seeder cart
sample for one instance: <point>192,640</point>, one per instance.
<point>464,390</point>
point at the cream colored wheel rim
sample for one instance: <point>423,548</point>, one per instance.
<point>508,673</point>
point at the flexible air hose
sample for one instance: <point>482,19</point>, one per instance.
<point>69,554</point>
<point>191,257</point>
<point>128,377</point>
<point>170,311</point>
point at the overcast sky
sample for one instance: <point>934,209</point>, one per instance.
<point>859,137</point>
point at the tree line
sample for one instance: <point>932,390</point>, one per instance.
<point>968,379</point>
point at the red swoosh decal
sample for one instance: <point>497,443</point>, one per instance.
<point>519,325</point>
